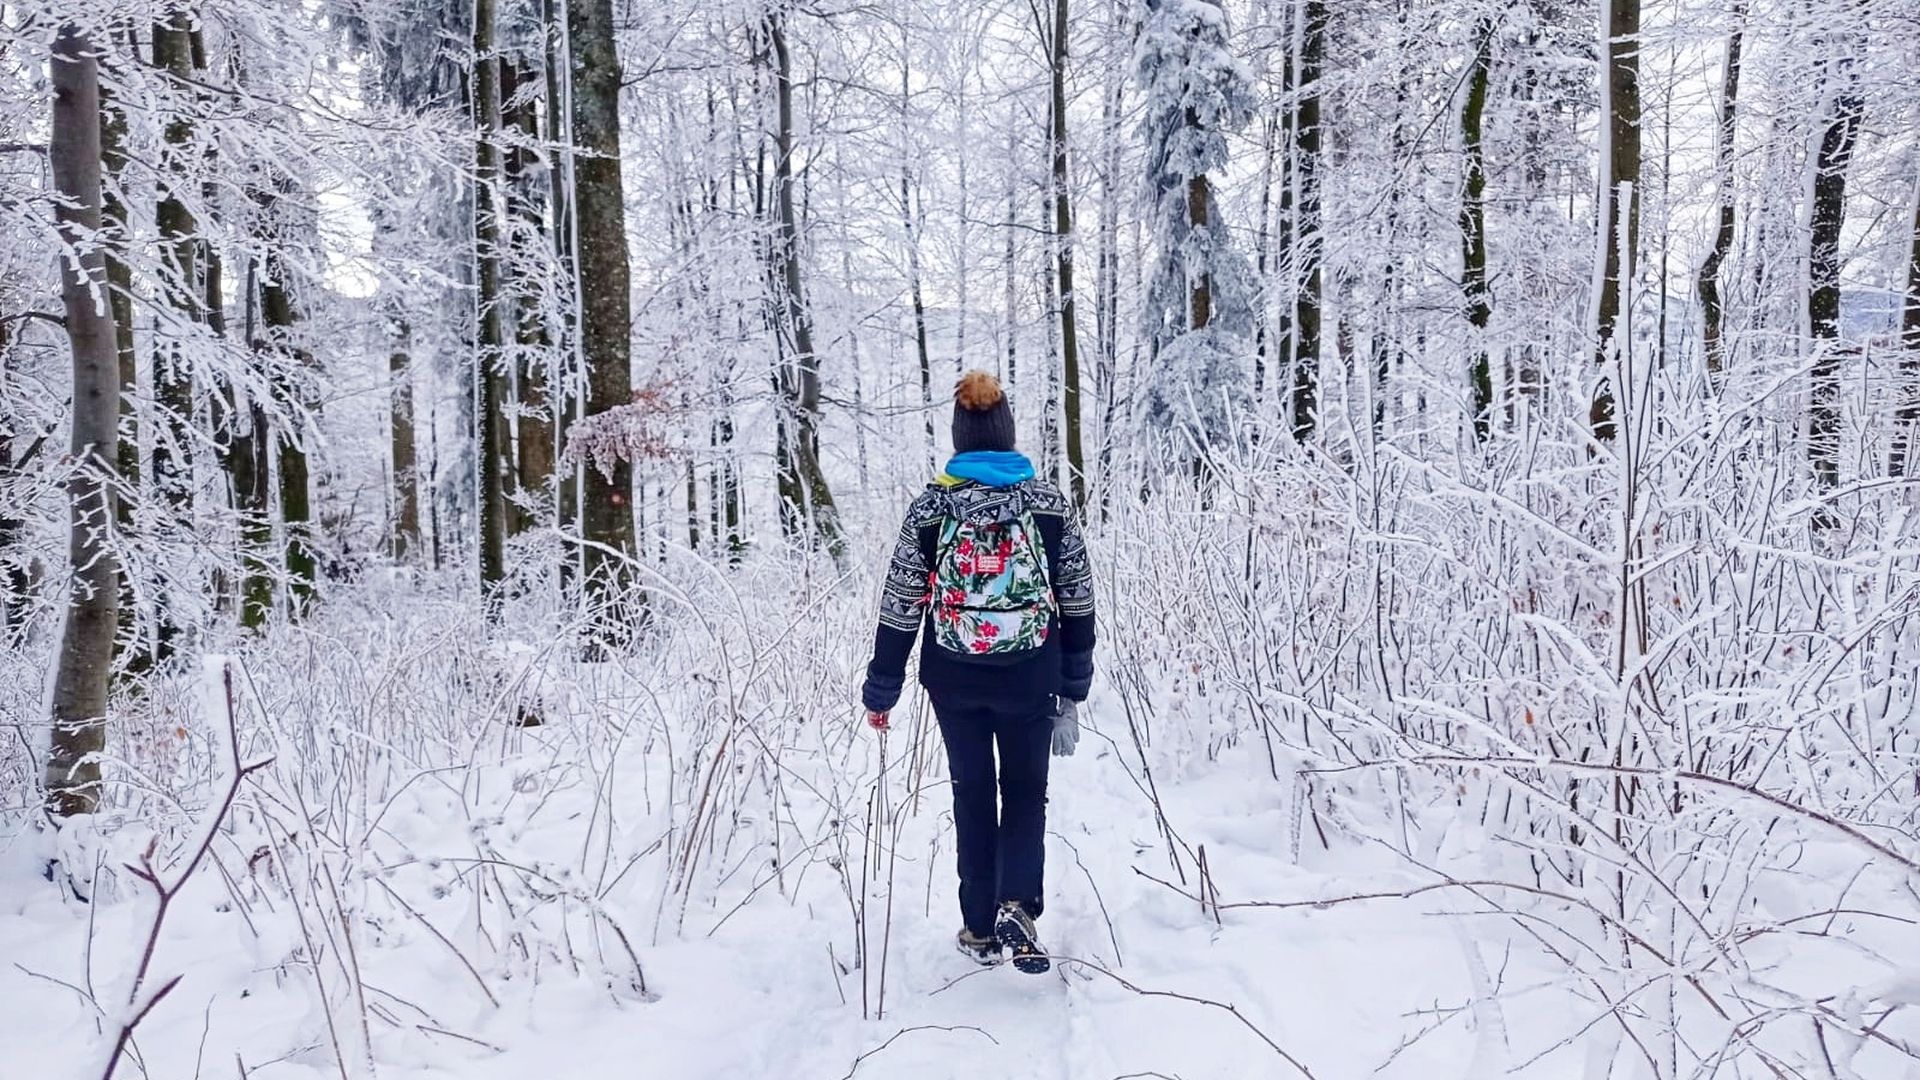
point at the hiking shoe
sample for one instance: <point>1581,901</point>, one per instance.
<point>984,951</point>
<point>1014,927</point>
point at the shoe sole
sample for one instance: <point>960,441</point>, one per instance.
<point>983,959</point>
<point>1027,957</point>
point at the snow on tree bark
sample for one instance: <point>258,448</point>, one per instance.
<point>1307,241</point>
<point>603,279</point>
<point>1827,215</point>
<point>79,700</point>
<point>1618,227</point>
<point>1473,226</point>
<point>1906,415</point>
<point>1707,282</point>
<point>803,481</point>
<point>1063,254</point>
<point>179,243</point>
<point>490,305</point>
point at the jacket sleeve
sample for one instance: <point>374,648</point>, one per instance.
<point>1073,591</point>
<point>903,604</point>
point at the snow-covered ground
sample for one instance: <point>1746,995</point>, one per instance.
<point>1148,984</point>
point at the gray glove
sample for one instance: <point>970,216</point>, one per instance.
<point>1066,726</point>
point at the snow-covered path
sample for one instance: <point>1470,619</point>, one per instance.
<point>1337,989</point>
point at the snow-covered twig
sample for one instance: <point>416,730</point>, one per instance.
<point>1227,1007</point>
<point>891,1039</point>
<point>140,1000</point>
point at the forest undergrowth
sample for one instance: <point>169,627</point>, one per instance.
<point>1666,751</point>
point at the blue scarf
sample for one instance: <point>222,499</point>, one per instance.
<point>994,468</point>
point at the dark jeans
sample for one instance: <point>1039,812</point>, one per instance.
<point>1002,851</point>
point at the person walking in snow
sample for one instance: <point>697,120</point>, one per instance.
<point>991,562</point>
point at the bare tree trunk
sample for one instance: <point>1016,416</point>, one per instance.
<point>213,298</point>
<point>728,477</point>
<point>808,492</point>
<point>1387,348</point>
<point>116,238</point>
<point>119,233</point>
<point>1063,250</point>
<point>1306,237</point>
<point>79,700</point>
<point>173,220</point>
<point>1522,403</point>
<point>1011,267</point>
<point>567,386</point>
<point>963,229</point>
<point>534,445</point>
<point>244,446</point>
<point>910,223</point>
<point>1199,199</point>
<point>1707,283</point>
<point>405,538</point>
<point>1619,218</point>
<point>490,304</point>
<point>1107,267</point>
<point>1473,227</point>
<point>604,277</point>
<point>220,420</point>
<point>1823,278</point>
<point>1047,461</point>
<point>1907,414</point>
<point>279,317</point>
<point>15,582</point>
<point>179,285</point>
<point>1263,263</point>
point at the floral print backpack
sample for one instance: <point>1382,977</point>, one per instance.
<point>990,590</point>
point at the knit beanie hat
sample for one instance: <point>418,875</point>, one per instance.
<point>982,419</point>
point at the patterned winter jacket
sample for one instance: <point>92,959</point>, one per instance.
<point>1063,664</point>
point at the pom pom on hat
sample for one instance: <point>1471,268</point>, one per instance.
<point>982,419</point>
<point>978,392</point>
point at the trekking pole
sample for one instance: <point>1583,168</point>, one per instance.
<point>884,828</point>
<point>880,798</point>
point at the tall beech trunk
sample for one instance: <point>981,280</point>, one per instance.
<point>220,398</point>
<point>489,304</point>
<point>533,454</point>
<point>117,235</point>
<point>1907,413</point>
<point>564,391</point>
<point>179,243</point>
<point>15,583</point>
<point>1106,305</point>
<point>85,657</point>
<point>805,487</point>
<point>1619,195</point>
<point>1047,461</point>
<point>1306,234</point>
<point>1707,283</point>
<point>279,318</point>
<point>1011,266</point>
<point>1262,262</point>
<point>603,277</point>
<point>242,434</point>
<point>404,540</point>
<point>1063,253</point>
<point>1823,279</point>
<point>1473,228</point>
